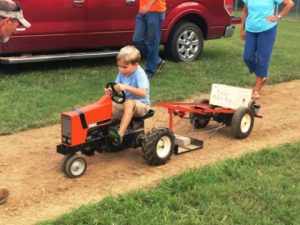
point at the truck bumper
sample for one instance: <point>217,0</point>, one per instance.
<point>235,20</point>
<point>229,31</point>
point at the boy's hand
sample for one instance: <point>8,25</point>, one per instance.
<point>120,87</point>
<point>107,91</point>
<point>272,18</point>
<point>242,34</point>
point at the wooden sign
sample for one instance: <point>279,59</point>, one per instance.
<point>229,96</point>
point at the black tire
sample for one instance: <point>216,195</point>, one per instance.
<point>158,146</point>
<point>185,43</point>
<point>242,122</point>
<point>64,161</point>
<point>197,120</point>
<point>75,166</point>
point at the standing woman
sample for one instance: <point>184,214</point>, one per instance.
<point>258,29</point>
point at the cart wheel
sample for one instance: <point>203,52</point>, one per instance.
<point>75,166</point>
<point>64,161</point>
<point>158,146</point>
<point>197,120</point>
<point>242,122</point>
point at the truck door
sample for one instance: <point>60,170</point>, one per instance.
<point>55,24</point>
<point>111,22</point>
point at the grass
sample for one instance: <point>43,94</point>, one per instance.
<point>34,95</point>
<point>259,188</point>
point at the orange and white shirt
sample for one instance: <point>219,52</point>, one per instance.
<point>158,6</point>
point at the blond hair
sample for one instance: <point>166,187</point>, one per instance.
<point>129,54</point>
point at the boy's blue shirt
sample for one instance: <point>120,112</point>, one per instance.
<point>258,10</point>
<point>137,79</point>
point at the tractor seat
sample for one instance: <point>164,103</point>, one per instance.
<point>148,115</point>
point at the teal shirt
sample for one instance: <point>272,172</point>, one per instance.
<point>258,10</point>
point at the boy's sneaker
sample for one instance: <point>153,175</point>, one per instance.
<point>114,136</point>
<point>3,195</point>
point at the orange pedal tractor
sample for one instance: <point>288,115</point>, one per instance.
<point>86,129</point>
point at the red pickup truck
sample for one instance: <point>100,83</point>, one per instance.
<point>70,29</point>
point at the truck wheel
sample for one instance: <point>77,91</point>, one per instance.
<point>185,43</point>
<point>158,146</point>
<point>242,122</point>
<point>75,166</point>
<point>197,120</point>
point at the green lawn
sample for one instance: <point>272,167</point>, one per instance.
<point>259,188</point>
<point>34,95</point>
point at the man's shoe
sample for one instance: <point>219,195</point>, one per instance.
<point>160,66</point>
<point>3,195</point>
<point>149,75</point>
<point>114,136</point>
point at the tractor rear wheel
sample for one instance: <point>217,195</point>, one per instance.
<point>158,146</point>
<point>197,120</point>
<point>75,166</point>
<point>242,122</point>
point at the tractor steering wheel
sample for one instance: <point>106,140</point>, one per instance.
<point>117,97</point>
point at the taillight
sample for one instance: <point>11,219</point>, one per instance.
<point>228,6</point>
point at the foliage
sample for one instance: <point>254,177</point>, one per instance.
<point>259,188</point>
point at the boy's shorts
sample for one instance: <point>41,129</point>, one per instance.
<point>140,110</point>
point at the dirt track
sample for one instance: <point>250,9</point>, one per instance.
<point>30,167</point>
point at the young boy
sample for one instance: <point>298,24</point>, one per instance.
<point>133,80</point>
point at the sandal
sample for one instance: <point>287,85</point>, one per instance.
<point>255,95</point>
<point>264,81</point>
<point>3,195</point>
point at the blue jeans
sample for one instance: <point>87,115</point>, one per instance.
<point>147,38</point>
<point>258,51</point>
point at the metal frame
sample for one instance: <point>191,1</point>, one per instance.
<point>180,109</point>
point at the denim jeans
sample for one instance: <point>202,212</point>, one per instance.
<point>147,38</point>
<point>258,51</point>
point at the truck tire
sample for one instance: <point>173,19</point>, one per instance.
<point>158,146</point>
<point>197,120</point>
<point>242,122</point>
<point>185,43</point>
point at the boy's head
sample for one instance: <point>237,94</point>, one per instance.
<point>11,17</point>
<point>128,59</point>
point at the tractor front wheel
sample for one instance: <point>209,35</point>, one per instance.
<point>73,166</point>
<point>158,146</point>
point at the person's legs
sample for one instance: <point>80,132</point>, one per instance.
<point>115,135</point>
<point>141,109</point>
<point>140,32</point>
<point>265,44</point>
<point>154,22</point>
<point>250,51</point>
<point>129,106</point>
<point>117,111</point>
